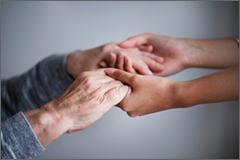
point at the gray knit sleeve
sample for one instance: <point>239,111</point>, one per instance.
<point>18,140</point>
<point>31,90</point>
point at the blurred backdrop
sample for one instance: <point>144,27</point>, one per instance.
<point>31,31</point>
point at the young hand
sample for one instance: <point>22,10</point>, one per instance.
<point>134,61</point>
<point>148,94</point>
<point>171,49</point>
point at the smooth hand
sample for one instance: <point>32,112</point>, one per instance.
<point>171,49</point>
<point>134,60</point>
<point>95,58</point>
<point>148,94</point>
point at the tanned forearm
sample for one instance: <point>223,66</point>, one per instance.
<point>217,87</point>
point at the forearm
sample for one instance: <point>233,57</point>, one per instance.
<point>25,135</point>
<point>31,90</point>
<point>216,87</point>
<point>211,53</point>
<point>47,123</point>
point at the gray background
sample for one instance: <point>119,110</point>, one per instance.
<point>31,31</point>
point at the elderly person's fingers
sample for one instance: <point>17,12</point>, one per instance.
<point>120,61</point>
<point>152,64</point>
<point>143,68</point>
<point>112,59</point>
<point>128,65</point>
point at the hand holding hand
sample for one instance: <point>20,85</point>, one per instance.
<point>148,94</point>
<point>91,59</point>
<point>133,60</point>
<point>171,49</point>
<point>85,101</point>
<point>88,98</point>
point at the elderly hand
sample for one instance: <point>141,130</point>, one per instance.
<point>90,96</point>
<point>91,59</point>
<point>148,94</point>
<point>171,49</point>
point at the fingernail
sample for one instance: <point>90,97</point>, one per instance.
<point>110,71</point>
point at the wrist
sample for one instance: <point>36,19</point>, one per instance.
<point>46,123</point>
<point>183,96</point>
<point>185,51</point>
<point>73,63</point>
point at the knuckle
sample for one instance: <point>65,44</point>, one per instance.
<point>147,34</point>
<point>118,74</point>
<point>109,46</point>
<point>134,79</point>
<point>79,77</point>
<point>87,82</point>
<point>125,108</point>
<point>121,53</point>
<point>143,67</point>
<point>132,114</point>
<point>84,74</point>
<point>116,91</point>
<point>100,99</point>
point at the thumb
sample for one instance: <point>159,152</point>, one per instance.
<point>148,48</point>
<point>120,75</point>
<point>135,41</point>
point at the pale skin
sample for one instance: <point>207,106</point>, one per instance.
<point>179,54</point>
<point>182,53</point>
<point>84,102</point>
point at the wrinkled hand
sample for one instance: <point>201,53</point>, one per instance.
<point>148,94</point>
<point>91,95</point>
<point>171,49</point>
<point>87,99</point>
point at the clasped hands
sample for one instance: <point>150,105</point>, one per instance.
<point>131,77</point>
<point>134,90</point>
